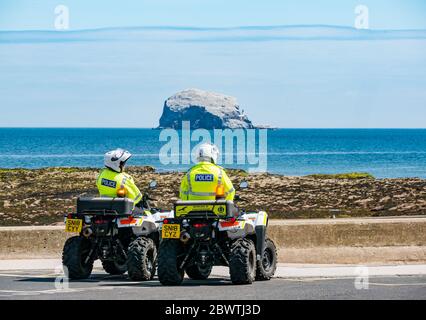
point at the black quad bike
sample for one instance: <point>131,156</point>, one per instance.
<point>203,234</point>
<point>124,238</point>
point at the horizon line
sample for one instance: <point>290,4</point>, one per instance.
<point>272,128</point>
<point>205,28</point>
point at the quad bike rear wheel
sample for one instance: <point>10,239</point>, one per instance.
<point>267,265</point>
<point>142,259</point>
<point>197,272</point>
<point>168,262</point>
<point>74,256</point>
<point>242,261</point>
<point>114,267</point>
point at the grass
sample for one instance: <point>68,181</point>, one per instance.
<point>6,170</point>
<point>237,172</point>
<point>62,169</point>
<point>68,169</point>
<point>351,176</point>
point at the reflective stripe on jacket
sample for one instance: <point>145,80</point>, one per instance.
<point>109,182</point>
<point>201,181</point>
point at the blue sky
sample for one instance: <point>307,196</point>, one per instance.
<point>38,14</point>
<point>320,78</point>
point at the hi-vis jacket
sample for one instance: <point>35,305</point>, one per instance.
<point>109,182</point>
<point>201,181</point>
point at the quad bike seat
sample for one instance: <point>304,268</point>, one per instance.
<point>205,209</point>
<point>104,206</point>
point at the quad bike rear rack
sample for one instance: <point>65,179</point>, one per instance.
<point>104,206</point>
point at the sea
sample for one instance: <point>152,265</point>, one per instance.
<point>384,153</point>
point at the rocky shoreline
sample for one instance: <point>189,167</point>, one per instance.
<point>43,196</point>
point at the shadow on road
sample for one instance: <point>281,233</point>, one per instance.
<point>108,280</point>
<point>212,282</point>
<point>93,279</point>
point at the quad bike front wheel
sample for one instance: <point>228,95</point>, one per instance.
<point>242,261</point>
<point>75,258</point>
<point>142,259</point>
<point>169,273</point>
<point>197,272</point>
<point>267,265</point>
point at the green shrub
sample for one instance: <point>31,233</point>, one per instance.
<point>351,175</point>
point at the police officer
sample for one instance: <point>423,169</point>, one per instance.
<point>113,181</point>
<point>206,180</point>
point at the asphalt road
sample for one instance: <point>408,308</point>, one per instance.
<point>40,284</point>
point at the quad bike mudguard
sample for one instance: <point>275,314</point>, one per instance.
<point>144,224</point>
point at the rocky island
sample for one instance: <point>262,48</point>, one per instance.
<point>203,109</point>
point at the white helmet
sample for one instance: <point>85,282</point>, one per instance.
<point>116,159</point>
<point>207,152</point>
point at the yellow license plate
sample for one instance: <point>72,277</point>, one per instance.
<point>170,231</point>
<point>73,225</point>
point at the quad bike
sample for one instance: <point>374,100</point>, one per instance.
<point>110,229</point>
<point>203,234</point>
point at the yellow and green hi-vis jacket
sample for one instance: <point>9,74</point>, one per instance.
<point>202,180</point>
<point>109,182</point>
